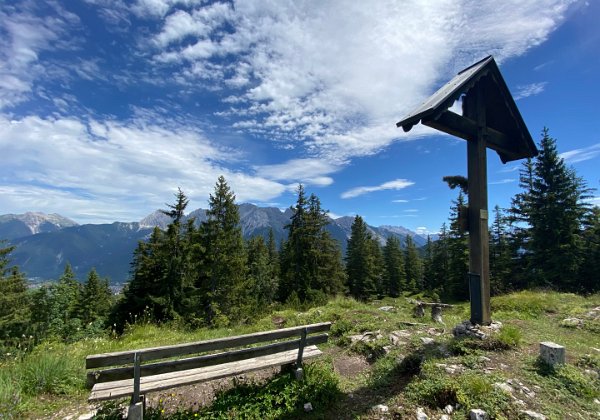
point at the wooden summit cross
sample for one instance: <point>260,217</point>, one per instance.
<point>490,119</point>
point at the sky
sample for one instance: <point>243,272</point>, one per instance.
<point>108,106</point>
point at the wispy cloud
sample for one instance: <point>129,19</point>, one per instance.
<point>309,171</point>
<point>580,155</point>
<point>503,181</point>
<point>532,89</point>
<point>397,184</point>
<point>101,165</point>
<point>400,201</point>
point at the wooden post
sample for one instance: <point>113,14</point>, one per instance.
<point>299,372</point>
<point>478,209</point>
<point>136,408</point>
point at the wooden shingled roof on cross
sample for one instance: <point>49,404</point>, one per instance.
<point>505,130</point>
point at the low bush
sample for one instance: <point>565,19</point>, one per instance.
<point>49,372</point>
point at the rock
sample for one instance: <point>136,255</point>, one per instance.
<point>448,409</point>
<point>572,322</point>
<point>386,308</point>
<point>532,415</point>
<point>552,353</point>
<point>519,402</point>
<point>308,407</point>
<point>427,340</point>
<point>478,414</point>
<point>444,417</point>
<point>596,401</point>
<point>419,311</point>
<point>459,330</point>
<point>396,338</point>
<point>381,408</point>
<point>592,373</point>
<point>504,387</point>
<point>484,359</point>
<point>421,414</point>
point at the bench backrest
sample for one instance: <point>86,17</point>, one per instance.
<point>125,359</point>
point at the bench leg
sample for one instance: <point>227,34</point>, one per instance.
<point>136,410</point>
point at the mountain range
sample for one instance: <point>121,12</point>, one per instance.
<point>45,243</point>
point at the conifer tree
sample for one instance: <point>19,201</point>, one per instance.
<point>222,272</point>
<point>262,285</point>
<point>412,266</point>
<point>395,276</point>
<point>500,254</point>
<point>439,269</point>
<point>555,217</point>
<point>95,299</point>
<point>458,255</point>
<point>589,272</point>
<point>362,268</point>
<point>311,266</point>
<point>14,300</point>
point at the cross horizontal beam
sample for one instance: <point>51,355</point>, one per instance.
<point>465,128</point>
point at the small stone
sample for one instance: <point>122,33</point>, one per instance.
<point>448,409</point>
<point>533,415</point>
<point>421,414</point>
<point>427,340</point>
<point>484,359</point>
<point>444,417</point>
<point>308,407</point>
<point>478,414</point>
<point>572,322</point>
<point>592,373</point>
<point>519,402</point>
<point>386,308</point>
<point>381,408</point>
<point>459,330</point>
<point>450,370</point>
<point>596,400</point>
<point>503,387</point>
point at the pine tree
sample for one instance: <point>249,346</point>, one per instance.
<point>589,272</point>
<point>555,219</point>
<point>311,266</point>
<point>362,268</point>
<point>95,300</point>
<point>439,269</point>
<point>412,266</point>
<point>395,276</point>
<point>14,300</point>
<point>222,276</point>
<point>458,255</point>
<point>500,255</point>
<point>262,285</point>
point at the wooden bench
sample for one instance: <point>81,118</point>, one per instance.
<point>129,374</point>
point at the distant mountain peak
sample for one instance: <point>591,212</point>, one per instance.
<point>38,222</point>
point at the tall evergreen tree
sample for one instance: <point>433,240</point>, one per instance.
<point>262,283</point>
<point>555,217</point>
<point>500,254</point>
<point>362,268</point>
<point>412,266</point>
<point>438,271</point>
<point>95,300</point>
<point>589,272</point>
<point>458,255</point>
<point>395,276</point>
<point>14,300</point>
<point>311,265</point>
<point>222,274</point>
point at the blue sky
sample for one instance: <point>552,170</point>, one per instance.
<point>107,106</point>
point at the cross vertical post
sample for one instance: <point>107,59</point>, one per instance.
<point>479,259</point>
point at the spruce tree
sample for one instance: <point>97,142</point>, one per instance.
<point>14,301</point>
<point>221,279</point>
<point>589,272</point>
<point>262,284</point>
<point>458,255</point>
<point>555,218</point>
<point>412,266</point>
<point>500,254</point>
<point>311,266</point>
<point>361,261</point>
<point>395,276</point>
<point>95,300</point>
<point>439,269</point>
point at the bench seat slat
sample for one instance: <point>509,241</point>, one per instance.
<point>154,353</point>
<point>114,374</point>
<point>124,388</point>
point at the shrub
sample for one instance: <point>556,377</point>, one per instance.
<point>46,372</point>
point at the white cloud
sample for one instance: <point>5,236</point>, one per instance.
<point>532,89</point>
<point>396,184</point>
<point>399,201</point>
<point>78,168</point>
<point>308,171</point>
<point>23,37</point>
<point>503,181</point>
<point>335,77</point>
<point>580,155</point>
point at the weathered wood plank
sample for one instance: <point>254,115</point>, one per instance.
<point>124,388</point>
<point>120,373</point>
<point>154,353</point>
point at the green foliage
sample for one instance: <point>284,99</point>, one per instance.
<point>526,304</point>
<point>262,273</point>
<point>456,286</point>
<point>363,262</point>
<point>569,378</point>
<point>281,397</point>
<point>471,390</point>
<point>95,299</point>
<point>49,373</point>
<point>310,258</point>
<point>413,266</point>
<point>394,274</point>
<point>10,395</point>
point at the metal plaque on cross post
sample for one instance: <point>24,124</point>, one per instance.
<point>490,119</point>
